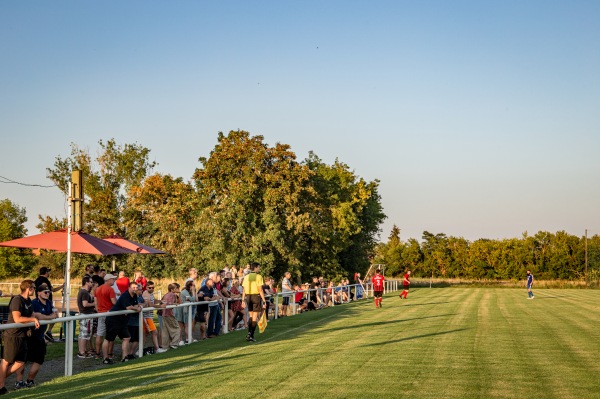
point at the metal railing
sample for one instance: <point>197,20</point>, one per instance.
<point>391,285</point>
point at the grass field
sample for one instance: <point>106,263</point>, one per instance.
<point>440,343</point>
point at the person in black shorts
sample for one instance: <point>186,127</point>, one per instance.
<point>15,339</point>
<point>36,344</point>
<point>116,326</point>
<point>252,296</point>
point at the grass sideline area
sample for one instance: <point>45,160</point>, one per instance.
<point>440,343</point>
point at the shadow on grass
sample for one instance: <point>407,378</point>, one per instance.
<point>192,361</point>
<point>137,376</point>
<point>415,337</point>
<point>383,323</point>
<point>427,303</point>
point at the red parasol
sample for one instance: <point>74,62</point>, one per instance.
<point>132,245</point>
<point>57,241</point>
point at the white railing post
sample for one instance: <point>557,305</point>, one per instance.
<point>190,324</point>
<point>226,318</point>
<point>69,344</point>
<point>141,334</point>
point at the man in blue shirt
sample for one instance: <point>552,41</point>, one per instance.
<point>529,285</point>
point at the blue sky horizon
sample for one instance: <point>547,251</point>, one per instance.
<point>481,120</point>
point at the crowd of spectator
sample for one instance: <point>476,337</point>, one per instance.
<point>104,293</point>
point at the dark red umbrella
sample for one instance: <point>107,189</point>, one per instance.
<point>57,241</point>
<point>132,245</point>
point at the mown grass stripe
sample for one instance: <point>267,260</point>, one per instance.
<point>440,343</point>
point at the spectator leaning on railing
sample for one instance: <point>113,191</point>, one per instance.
<point>133,322</point>
<point>105,299</point>
<point>117,325</point>
<point>43,278</point>
<point>15,339</point>
<point>188,294</point>
<point>287,290</point>
<point>36,344</point>
<point>149,326</point>
<point>170,328</point>
<point>214,309</point>
<point>86,305</point>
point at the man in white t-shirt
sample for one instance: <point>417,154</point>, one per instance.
<point>287,290</point>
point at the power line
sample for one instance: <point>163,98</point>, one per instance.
<point>6,180</point>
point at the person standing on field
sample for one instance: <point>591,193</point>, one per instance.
<point>406,284</point>
<point>377,281</point>
<point>251,298</point>
<point>529,285</point>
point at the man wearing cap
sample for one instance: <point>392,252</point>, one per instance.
<point>105,299</point>
<point>43,279</point>
<point>15,339</point>
<point>36,345</point>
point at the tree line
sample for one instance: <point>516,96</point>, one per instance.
<point>548,255</point>
<point>247,201</point>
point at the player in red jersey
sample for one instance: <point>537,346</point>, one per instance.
<point>377,281</point>
<point>406,284</point>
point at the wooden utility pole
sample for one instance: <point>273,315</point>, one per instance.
<point>586,260</point>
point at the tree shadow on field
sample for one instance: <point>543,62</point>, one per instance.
<point>144,373</point>
<point>428,303</point>
<point>416,337</point>
<point>383,323</point>
<point>197,359</point>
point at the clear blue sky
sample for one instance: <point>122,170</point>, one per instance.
<point>480,118</point>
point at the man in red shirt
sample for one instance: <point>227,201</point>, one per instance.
<point>122,282</point>
<point>377,281</point>
<point>105,299</point>
<point>406,284</point>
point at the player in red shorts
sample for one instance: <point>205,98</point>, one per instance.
<point>377,281</point>
<point>406,284</point>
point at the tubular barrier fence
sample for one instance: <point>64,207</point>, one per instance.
<point>352,293</point>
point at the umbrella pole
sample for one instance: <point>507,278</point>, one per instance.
<point>67,296</point>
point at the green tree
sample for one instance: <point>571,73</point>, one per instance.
<point>344,220</point>
<point>160,213</point>
<point>390,253</point>
<point>250,199</point>
<point>459,255</point>
<point>412,257</point>
<point>14,262</point>
<point>436,253</point>
<point>107,178</point>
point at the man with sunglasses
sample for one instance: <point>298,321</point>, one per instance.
<point>36,344</point>
<point>149,326</point>
<point>43,278</point>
